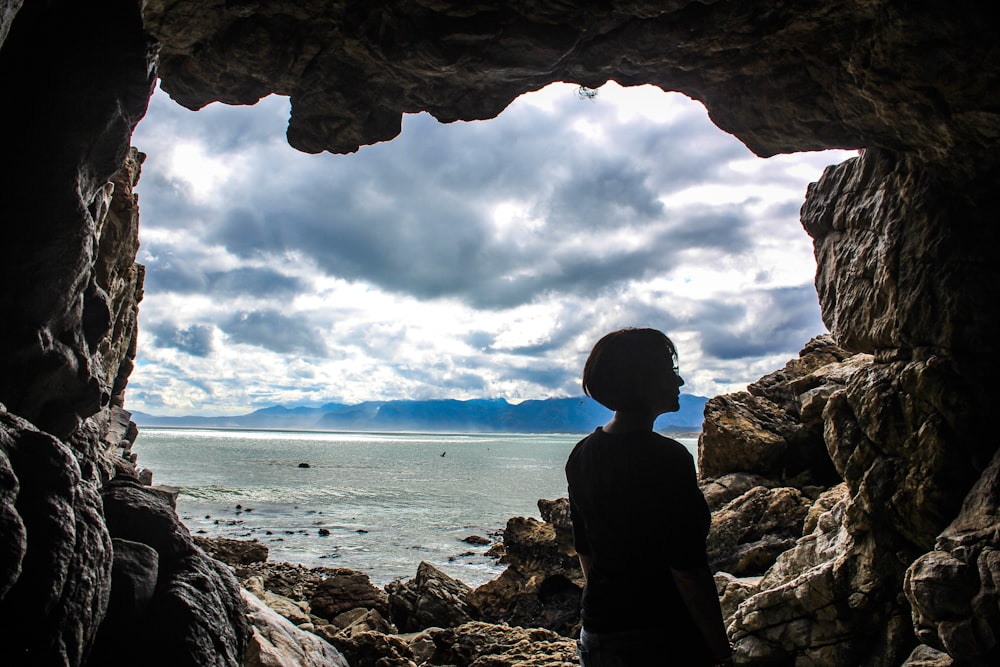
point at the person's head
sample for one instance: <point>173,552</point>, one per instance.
<point>633,370</point>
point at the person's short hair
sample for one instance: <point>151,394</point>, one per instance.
<point>625,364</point>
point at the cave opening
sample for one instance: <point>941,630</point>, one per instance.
<point>467,261</point>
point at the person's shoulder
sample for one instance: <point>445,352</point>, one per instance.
<point>671,447</point>
<point>583,444</point>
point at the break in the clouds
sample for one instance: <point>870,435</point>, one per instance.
<point>476,259</point>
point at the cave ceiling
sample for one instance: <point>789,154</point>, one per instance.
<point>781,76</point>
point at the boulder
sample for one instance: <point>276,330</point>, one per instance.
<point>543,583</point>
<point>750,531</point>
<point>298,613</point>
<point>375,649</point>
<point>484,645</point>
<point>774,430</point>
<point>954,591</point>
<point>133,580</point>
<point>197,609</point>
<point>56,559</point>
<point>432,598</point>
<point>233,552</point>
<point>343,590</point>
<point>290,580</point>
<point>925,656</point>
<point>278,643</point>
<point>368,621</point>
<point>720,490</point>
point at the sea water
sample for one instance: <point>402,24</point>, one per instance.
<point>378,503</point>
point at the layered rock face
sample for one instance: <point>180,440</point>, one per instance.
<point>899,538</point>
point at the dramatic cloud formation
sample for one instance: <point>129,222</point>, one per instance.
<point>477,259</point>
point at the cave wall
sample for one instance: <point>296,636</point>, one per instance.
<point>903,236</point>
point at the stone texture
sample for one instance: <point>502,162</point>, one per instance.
<point>56,559</point>
<point>543,582</point>
<point>233,552</point>
<point>749,532</point>
<point>483,645</point>
<point>954,590</point>
<point>374,649</point>
<point>296,582</point>
<point>905,239</point>
<point>278,643</point>
<point>720,490</point>
<point>196,612</point>
<point>344,590</point>
<point>60,333</point>
<point>432,598</point>
<point>925,656</point>
<point>763,432</point>
<point>875,76</point>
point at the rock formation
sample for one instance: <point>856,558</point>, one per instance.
<point>543,582</point>
<point>907,276</point>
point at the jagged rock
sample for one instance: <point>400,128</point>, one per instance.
<point>556,512</point>
<point>197,610</point>
<point>351,75</point>
<point>720,490</point>
<point>955,590</point>
<point>374,649</point>
<point>369,621</point>
<point>297,612</point>
<point>775,429</point>
<point>233,552</point>
<point>344,590</point>
<point>795,611</point>
<point>543,583</point>
<point>734,590</point>
<point>817,361</point>
<point>290,580</point>
<point>278,643</point>
<point>480,644</point>
<point>826,501</point>
<point>742,433</point>
<point>905,242</point>
<point>56,559</point>
<point>199,615</point>
<point>749,533</point>
<point>432,598</point>
<point>421,644</point>
<point>925,656</point>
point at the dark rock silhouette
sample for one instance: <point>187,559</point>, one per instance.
<point>907,274</point>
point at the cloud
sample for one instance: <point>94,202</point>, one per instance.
<point>475,259</point>
<point>275,332</point>
<point>195,340</point>
<point>185,278</point>
<point>762,323</point>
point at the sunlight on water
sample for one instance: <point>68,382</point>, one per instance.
<point>387,500</point>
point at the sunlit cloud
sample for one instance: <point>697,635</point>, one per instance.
<point>478,259</point>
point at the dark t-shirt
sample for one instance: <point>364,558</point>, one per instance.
<point>637,512</point>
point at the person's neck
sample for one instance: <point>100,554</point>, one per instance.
<point>625,421</point>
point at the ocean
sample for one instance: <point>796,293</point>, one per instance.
<point>378,503</point>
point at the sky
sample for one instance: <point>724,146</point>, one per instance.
<point>475,259</point>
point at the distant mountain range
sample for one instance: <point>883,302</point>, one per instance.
<point>552,415</point>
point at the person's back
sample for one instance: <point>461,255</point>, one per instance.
<point>639,519</point>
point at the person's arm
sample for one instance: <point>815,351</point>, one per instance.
<point>697,588</point>
<point>585,565</point>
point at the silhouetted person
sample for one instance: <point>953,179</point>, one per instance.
<point>639,519</point>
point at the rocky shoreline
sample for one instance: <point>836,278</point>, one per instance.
<point>778,543</point>
<point>431,619</point>
<point>788,549</point>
